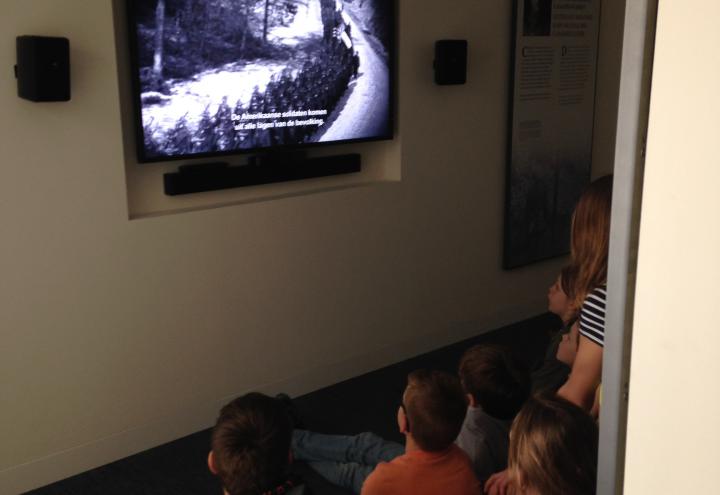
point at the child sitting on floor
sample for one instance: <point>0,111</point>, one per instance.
<point>251,448</point>
<point>554,369</point>
<point>496,387</point>
<point>430,417</point>
<point>553,449</point>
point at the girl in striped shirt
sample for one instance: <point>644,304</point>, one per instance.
<point>589,257</point>
<point>589,244</point>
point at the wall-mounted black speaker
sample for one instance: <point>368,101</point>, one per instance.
<point>450,62</point>
<point>265,170</point>
<point>43,68</point>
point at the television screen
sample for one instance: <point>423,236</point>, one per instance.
<point>216,77</point>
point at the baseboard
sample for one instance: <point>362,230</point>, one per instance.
<point>81,458</point>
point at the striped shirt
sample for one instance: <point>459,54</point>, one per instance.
<point>592,316</point>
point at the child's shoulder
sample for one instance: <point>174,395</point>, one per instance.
<point>383,479</point>
<point>599,292</point>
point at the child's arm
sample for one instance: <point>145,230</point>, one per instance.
<point>568,346</point>
<point>585,374</point>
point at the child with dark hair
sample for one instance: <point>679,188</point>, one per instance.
<point>251,448</point>
<point>430,417</point>
<point>496,387</point>
<point>553,448</point>
<point>553,370</point>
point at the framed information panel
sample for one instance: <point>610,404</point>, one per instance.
<point>551,124</point>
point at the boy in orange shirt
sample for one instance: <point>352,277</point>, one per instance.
<point>430,416</point>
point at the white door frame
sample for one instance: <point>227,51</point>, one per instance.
<point>631,132</point>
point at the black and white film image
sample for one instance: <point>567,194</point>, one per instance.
<point>223,75</point>
<point>541,198</point>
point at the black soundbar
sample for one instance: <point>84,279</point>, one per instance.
<point>215,176</point>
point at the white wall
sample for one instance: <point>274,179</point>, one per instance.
<point>117,335</point>
<point>673,429</point>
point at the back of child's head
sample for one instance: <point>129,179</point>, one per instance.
<point>590,237</point>
<point>496,381</point>
<point>553,448</point>
<point>435,406</point>
<point>251,444</point>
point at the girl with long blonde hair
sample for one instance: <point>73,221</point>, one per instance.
<point>553,449</point>
<point>589,245</point>
<point>590,241</point>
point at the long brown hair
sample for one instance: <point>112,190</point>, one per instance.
<point>553,448</point>
<point>590,238</point>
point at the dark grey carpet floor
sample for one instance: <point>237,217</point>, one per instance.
<point>364,403</point>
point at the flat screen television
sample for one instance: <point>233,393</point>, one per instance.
<point>219,77</point>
